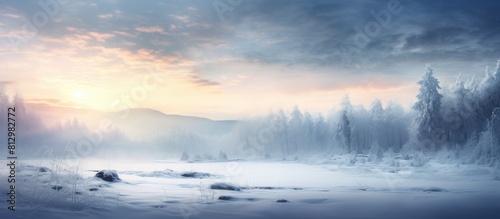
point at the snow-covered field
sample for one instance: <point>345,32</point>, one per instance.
<point>260,189</point>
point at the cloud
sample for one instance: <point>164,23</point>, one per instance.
<point>11,15</point>
<point>101,37</point>
<point>200,82</point>
<point>281,45</point>
<point>154,29</point>
<point>309,33</point>
<point>106,16</point>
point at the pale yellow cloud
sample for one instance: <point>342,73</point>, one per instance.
<point>152,29</point>
<point>101,37</point>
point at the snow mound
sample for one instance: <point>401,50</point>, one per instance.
<point>108,175</point>
<point>225,186</point>
<point>162,174</point>
<point>40,169</point>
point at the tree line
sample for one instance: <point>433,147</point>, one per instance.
<point>465,115</point>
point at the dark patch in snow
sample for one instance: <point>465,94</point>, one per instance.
<point>57,188</point>
<point>44,169</point>
<point>93,189</point>
<point>108,175</point>
<point>434,189</point>
<point>282,201</point>
<point>224,197</point>
<point>266,187</point>
<point>198,175</point>
<point>225,186</point>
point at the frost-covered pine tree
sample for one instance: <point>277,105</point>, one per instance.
<point>321,132</point>
<point>460,120</point>
<point>344,125</point>
<point>397,126</point>
<point>489,92</point>
<point>377,123</point>
<point>297,134</point>
<point>428,121</point>
<point>308,132</point>
<point>282,132</point>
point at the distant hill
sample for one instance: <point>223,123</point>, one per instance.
<point>143,122</point>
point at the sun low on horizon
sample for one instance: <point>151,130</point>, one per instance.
<point>192,58</point>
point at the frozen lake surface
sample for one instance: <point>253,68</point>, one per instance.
<point>251,189</point>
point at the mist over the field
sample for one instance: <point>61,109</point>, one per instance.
<point>459,119</point>
<point>445,148</point>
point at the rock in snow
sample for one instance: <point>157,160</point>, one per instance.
<point>198,175</point>
<point>108,175</point>
<point>44,169</point>
<point>224,197</point>
<point>225,186</point>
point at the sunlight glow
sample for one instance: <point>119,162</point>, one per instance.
<point>79,96</point>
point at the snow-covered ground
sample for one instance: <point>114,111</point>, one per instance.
<point>255,189</point>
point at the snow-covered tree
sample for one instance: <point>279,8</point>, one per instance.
<point>377,123</point>
<point>428,121</point>
<point>487,150</point>
<point>489,92</point>
<point>297,134</point>
<point>397,121</point>
<point>282,132</point>
<point>309,134</point>
<point>344,124</point>
<point>321,133</point>
<point>360,129</point>
<point>460,116</point>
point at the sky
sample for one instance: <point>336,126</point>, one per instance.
<point>228,59</point>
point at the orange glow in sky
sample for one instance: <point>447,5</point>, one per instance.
<point>107,56</point>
